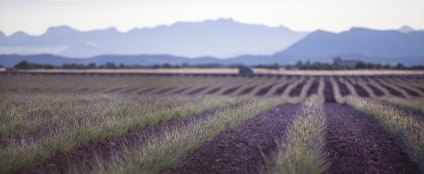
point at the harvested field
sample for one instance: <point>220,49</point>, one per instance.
<point>173,123</point>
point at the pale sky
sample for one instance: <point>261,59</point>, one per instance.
<point>35,16</point>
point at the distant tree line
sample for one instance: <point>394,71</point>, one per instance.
<point>359,66</point>
<point>299,65</point>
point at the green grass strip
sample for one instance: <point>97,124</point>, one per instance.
<point>302,148</point>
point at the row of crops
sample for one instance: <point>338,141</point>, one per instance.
<point>146,124</point>
<point>233,86</point>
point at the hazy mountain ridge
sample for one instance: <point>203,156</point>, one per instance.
<point>217,38</point>
<point>367,42</point>
<point>405,45</point>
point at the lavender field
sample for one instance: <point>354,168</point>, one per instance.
<point>106,123</point>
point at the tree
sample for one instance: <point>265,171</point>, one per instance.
<point>23,65</point>
<point>245,70</point>
<point>361,65</point>
<point>110,65</point>
<point>400,66</point>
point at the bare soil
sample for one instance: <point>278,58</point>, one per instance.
<point>296,91</point>
<point>146,91</point>
<point>343,89</point>
<point>357,143</point>
<point>180,91</point>
<point>197,91</point>
<point>239,150</point>
<point>392,91</point>
<point>361,91</point>
<point>231,90</point>
<point>376,91</point>
<point>314,88</point>
<point>412,93</point>
<point>328,93</point>
<point>264,90</point>
<point>247,90</point>
<point>212,91</point>
<point>164,90</point>
<point>281,89</point>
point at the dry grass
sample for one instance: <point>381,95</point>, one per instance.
<point>302,148</point>
<point>403,125</point>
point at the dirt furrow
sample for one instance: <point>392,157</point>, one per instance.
<point>214,90</point>
<point>358,144</point>
<point>239,150</point>
<point>361,91</point>
<point>264,90</point>
<point>314,87</point>
<point>376,91</point>
<point>392,91</point>
<point>328,93</point>
<point>180,91</point>
<point>164,90</point>
<point>230,91</point>
<point>281,89</point>
<point>344,91</point>
<point>296,91</point>
<point>247,90</point>
<point>196,91</point>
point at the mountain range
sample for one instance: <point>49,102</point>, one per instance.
<point>220,38</point>
<point>222,41</point>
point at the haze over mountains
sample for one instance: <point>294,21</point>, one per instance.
<point>220,38</point>
<point>205,42</point>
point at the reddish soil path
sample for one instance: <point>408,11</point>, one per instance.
<point>358,144</point>
<point>239,150</point>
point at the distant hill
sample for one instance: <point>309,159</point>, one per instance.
<point>389,46</point>
<point>218,38</point>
